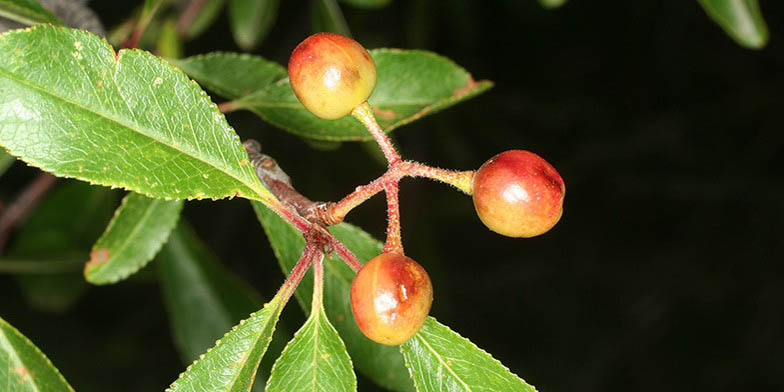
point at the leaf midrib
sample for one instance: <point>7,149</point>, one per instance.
<point>132,236</point>
<point>121,123</point>
<point>443,363</point>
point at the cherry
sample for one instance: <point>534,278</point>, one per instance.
<point>518,194</point>
<point>391,297</point>
<point>331,74</point>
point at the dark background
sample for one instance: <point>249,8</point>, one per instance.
<point>664,272</point>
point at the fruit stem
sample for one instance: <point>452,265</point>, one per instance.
<point>364,113</point>
<point>461,180</point>
<point>348,257</point>
<point>394,243</point>
<point>310,252</point>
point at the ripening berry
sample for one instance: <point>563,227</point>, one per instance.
<point>391,297</point>
<point>518,194</point>
<point>331,74</point>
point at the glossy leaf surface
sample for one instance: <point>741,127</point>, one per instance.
<point>232,363</point>
<point>70,107</point>
<point>23,367</point>
<point>204,299</point>
<point>741,19</point>
<point>251,20</point>
<point>138,230</point>
<point>383,364</point>
<point>441,360</point>
<point>315,360</point>
<point>26,11</point>
<point>232,75</point>
<point>411,84</point>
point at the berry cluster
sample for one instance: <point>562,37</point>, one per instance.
<point>516,193</point>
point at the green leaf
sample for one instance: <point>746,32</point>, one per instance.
<point>204,19</point>
<point>23,367</point>
<point>315,360</point>
<point>62,228</point>
<point>383,364</point>
<point>232,363</point>
<point>204,299</point>
<point>441,360</point>
<point>740,19</point>
<point>232,75</point>
<point>251,20</point>
<point>70,107</point>
<point>169,41</point>
<point>411,84</point>
<point>6,160</point>
<point>138,230</point>
<point>367,3</point>
<point>26,11</point>
<point>326,16</point>
<point>552,3</point>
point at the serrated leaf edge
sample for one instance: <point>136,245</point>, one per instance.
<point>273,302</point>
<point>403,348</point>
<point>153,251</point>
<point>38,351</point>
<point>198,195</point>
<point>459,95</point>
<point>216,54</point>
<point>314,319</point>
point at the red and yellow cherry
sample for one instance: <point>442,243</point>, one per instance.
<point>331,74</point>
<point>518,194</point>
<point>391,297</point>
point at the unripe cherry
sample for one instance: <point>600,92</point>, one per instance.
<point>391,297</point>
<point>331,74</point>
<point>518,194</point>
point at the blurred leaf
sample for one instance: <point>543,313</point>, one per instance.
<point>367,3</point>
<point>552,3</point>
<point>138,230</point>
<point>232,75</point>
<point>232,363</point>
<point>57,264</point>
<point>204,299</point>
<point>62,228</point>
<point>441,360</point>
<point>205,17</point>
<point>326,16</point>
<point>251,20</point>
<point>382,364</point>
<point>411,84</point>
<point>131,121</point>
<point>26,11</point>
<point>169,41</point>
<point>23,367</point>
<point>740,19</point>
<point>315,360</point>
<point>6,160</point>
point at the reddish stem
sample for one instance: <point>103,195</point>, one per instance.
<point>310,252</point>
<point>394,243</point>
<point>23,204</point>
<point>189,15</point>
<point>364,113</point>
<point>345,254</point>
<point>227,107</point>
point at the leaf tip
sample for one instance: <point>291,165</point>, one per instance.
<point>98,257</point>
